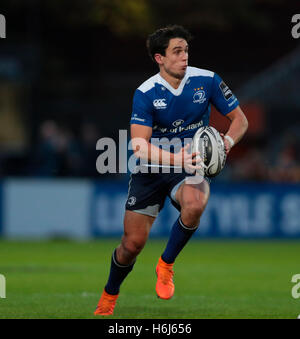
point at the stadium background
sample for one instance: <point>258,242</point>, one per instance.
<point>68,71</point>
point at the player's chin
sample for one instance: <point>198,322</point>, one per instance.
<point>180,74</point>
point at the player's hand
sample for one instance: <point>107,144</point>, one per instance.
<point>190,161</point>
<point>226,144</point>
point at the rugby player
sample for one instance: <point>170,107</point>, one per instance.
<point>173,103</point>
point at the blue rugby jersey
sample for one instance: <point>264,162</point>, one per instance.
<point>178,113</point>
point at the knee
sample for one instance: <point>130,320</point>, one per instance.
<point>133,246</point>
<point>194,209</point>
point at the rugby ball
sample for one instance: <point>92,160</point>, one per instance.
<point>209,143</point>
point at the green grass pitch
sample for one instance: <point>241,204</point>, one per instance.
<point>213,279</point>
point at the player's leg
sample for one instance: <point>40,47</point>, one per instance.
<point>136,231</point>
<point>192,199</point>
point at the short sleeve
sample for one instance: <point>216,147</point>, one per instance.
<point>222,97</point>
<point>141,110</point>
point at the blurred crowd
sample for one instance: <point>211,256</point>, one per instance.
<point>60,152</point>
<point>273,158</point>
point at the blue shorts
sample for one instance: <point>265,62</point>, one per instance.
<point>147,192</point>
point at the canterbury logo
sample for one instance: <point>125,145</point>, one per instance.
<point>160,103</point>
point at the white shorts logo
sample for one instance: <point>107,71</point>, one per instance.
<point>160,103</point>
<point>131,201</point>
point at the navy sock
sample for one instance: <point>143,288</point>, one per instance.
<point>117,274</point>
<point>180,235</point>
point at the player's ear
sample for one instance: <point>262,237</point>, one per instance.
<point>158,58</point>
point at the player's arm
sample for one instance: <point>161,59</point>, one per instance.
<point>143,149</point>
<point>237,128</point>
<point>228,105</point>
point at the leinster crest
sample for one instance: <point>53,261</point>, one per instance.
<point>199,97</point>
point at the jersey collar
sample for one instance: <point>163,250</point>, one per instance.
<point>174,91</point>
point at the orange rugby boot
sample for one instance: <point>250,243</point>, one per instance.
<point>164,285</point>
<point>106,304</point>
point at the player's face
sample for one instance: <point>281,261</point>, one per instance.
<point>175,60</point>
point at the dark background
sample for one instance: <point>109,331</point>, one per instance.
<point>68,71</point>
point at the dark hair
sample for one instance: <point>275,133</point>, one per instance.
<point>158,41</point>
